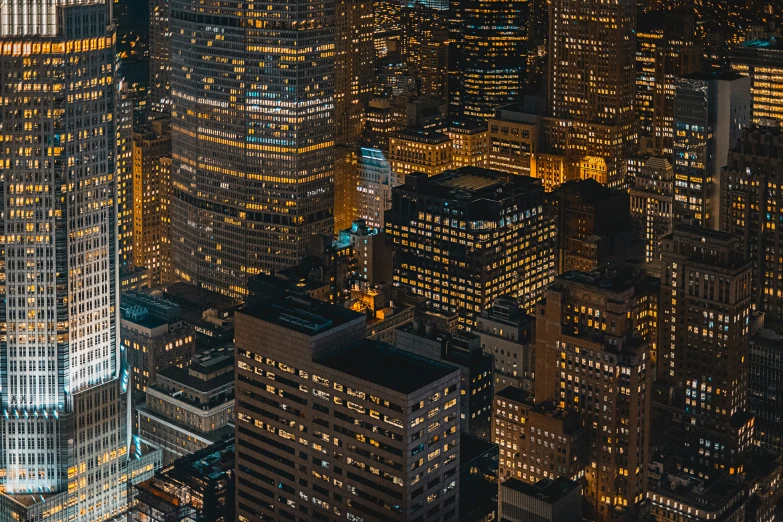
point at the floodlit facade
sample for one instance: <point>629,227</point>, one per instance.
<point>63,446</point>
<point>252,137</point>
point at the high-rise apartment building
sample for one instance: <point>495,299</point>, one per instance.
<point>652,208</point>
<point>704,356</point>
<point>159,88</point>
<point>470,235</point>
<point>591,84</point>
<point>333,426</point>
<point>62,375</point>
<point>710,110</point>
<point>252,137</point>
<point>762,60</point>
<point>750,199</point>
<point>596,336</point>
<point>353,67</point>
<point>491,55</point>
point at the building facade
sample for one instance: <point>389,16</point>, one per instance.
<point>326,429</point>
<point>704,349</point>
<point>596,337</point>
<point>189,408</point>
<point>710,110</point>
<point>593,123</point>
<point>761,60</point>
<point>652,208</point>
<point>470,235</point>
<point>750,192</point>
<point>252,138</point>
<point>62,373</point>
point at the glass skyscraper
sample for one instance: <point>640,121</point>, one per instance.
<point>252,90</point>
<point>63,440</point>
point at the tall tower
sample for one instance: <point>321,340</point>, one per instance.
<point>491,55</point>
<point>252,137</point>
<point>591,84</point>
<point>63,437</point>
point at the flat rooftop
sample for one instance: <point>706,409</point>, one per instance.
<point>547,490</point>
<point>389,367</point>
<point>302,314</point>
<point>470,184</point>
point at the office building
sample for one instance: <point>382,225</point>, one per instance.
<point>558,500</point>
<point>196,487</point>
<point>252,142</point>
<point>762,60</point>
<point>416,150</point>
<point>384,117</point>
<point>461,350</point>
<point>376,179</point>
<point>538,441</point>
<point>595,125</point>
<point>62,374</point>
<point>123,118</point>
<point>372,252</point>
<point>649,36</point>
<point>710,110</point>
<point>331,425</point>
<point>596,337</point>
<point>513,143</point>
<point>594,226</point>
<point>468,143</point>
<point>652,208</point>
<point>151,195</point>
<point>159,89</point>
<point>765,388</point>
<point>154,337</point>
<point>508,334</point>
<point>678,54</point>
<point>346,183</point>
<point>189,408</point>
<point>467,236</point>
<point>492,53</point>
<point>704,349</point>
<point>353,68</point>
<point>752,180</point>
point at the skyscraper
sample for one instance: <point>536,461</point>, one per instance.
<point>354,59</point>
<point>492,55</point>
<point>64,440</point>
<point>159,89</point>
<point>704,349</point>
<point>652,207</point>
<point>710,109</point>
<point>750,198</point>
<point>252,137</point>
<point>596,335</point>
<point>591,84</point>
